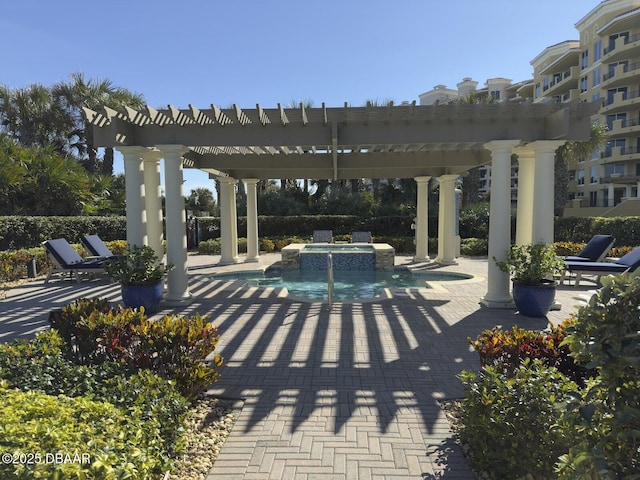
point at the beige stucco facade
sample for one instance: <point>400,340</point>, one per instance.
<point>602,65</point>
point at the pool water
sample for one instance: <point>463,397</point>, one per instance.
<point>347,285</point>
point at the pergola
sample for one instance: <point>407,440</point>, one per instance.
<point>392,141</point>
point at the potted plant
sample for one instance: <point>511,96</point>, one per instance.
<point>532,268</point>
<point>140,273</point>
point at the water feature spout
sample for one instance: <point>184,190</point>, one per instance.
<point>330,280</point>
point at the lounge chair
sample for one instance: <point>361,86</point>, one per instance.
<point>361,237</point>
<point>322,236</point>
<point>96,247</point>
<point>628,263</point>
<point>594,251</point>
<point>66,259</point>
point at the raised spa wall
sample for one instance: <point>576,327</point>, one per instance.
<point>384,255</point>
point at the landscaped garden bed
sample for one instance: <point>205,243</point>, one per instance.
<point>558,404</point>
<point>107,393</point>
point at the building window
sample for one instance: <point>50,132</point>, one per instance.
<point>594,175</point>
<point>584,84</point>
<point>585,59</point>
<point>614,37</point>
<point>495,94</point>
<point>596,96</point>
<point>580,177</point>
<point>593,199</point>
<point>545,84</point>
<point>613,117</point>
<point>597,51</point>
<point>613,169</point>
<point>611,71</point>
<point>596,76</point>
<point>537,91</point>
<point>611,93</point>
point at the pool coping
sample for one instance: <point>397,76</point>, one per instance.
<point>388,293</point>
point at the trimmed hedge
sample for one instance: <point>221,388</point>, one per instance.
<point>18,232</point>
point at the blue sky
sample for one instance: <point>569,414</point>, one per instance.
<point>258,51</point>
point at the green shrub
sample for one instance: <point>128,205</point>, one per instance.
<point>39,365</point>
<point>509,421</point>
<point>210,247</point>
<point>95,330</point>
<point>181,349</point>
<point>606,416</point>
<point>18,232</point>
<point>564,249</point>
<point>267,245</point>
<point>108,442</point>
<point>474,247</point>
<point>507,349</point>
<point>13,263</point>
<point>174,347</point>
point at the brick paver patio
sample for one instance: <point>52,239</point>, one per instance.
<point>350,393</point>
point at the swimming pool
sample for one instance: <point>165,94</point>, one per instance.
<point>348,285</point>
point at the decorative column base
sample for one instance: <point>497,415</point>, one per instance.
<point>177,302</point>
<point>498,303</point>
<point>229,261</point>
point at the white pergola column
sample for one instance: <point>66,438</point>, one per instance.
<point>422,220</point>
<point>228,221</point>
<point>153,201</point>
<point>542,201</point>
<point>524,213</point>
<point>135,194</point>
<point>610,195</point>
<point>447,220</point>
<point>497,295</point>
<point>253,250</point>
<point>178,285</point>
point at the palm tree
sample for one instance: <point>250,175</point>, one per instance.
<point>93,94</point>
<point>566,158</point>
<point>33,118</point>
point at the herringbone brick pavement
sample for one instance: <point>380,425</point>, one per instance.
<point>348,393</point>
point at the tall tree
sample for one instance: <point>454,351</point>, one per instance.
<point>566,158</point>
<point>34,118</point>
<point>93,94</point>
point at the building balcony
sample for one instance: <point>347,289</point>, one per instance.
<point>563,82</point>
<point>621,75</point>
<point>623,128</point>
<point>621,102</point>
<point>617,179</point>
<point>622,48</point>
<point>620,154</point>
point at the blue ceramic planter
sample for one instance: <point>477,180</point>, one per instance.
<point>147,296</point>
<point>534,300</point>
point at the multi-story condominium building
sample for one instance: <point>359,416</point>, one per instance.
<point>604,66</point>
<point>501,90</point>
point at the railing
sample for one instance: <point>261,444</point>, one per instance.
<point>329,280</point>
<point>632,122</point>
<point>625,69</point>
<point>625,96</point>
<point>628,40</point>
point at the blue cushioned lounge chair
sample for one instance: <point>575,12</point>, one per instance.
<point>594,251</point>
<point>66,259</point>
<point>96,247</point>
<point>628,263</point>
<point>360,237</point>
<point>322,236</point>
